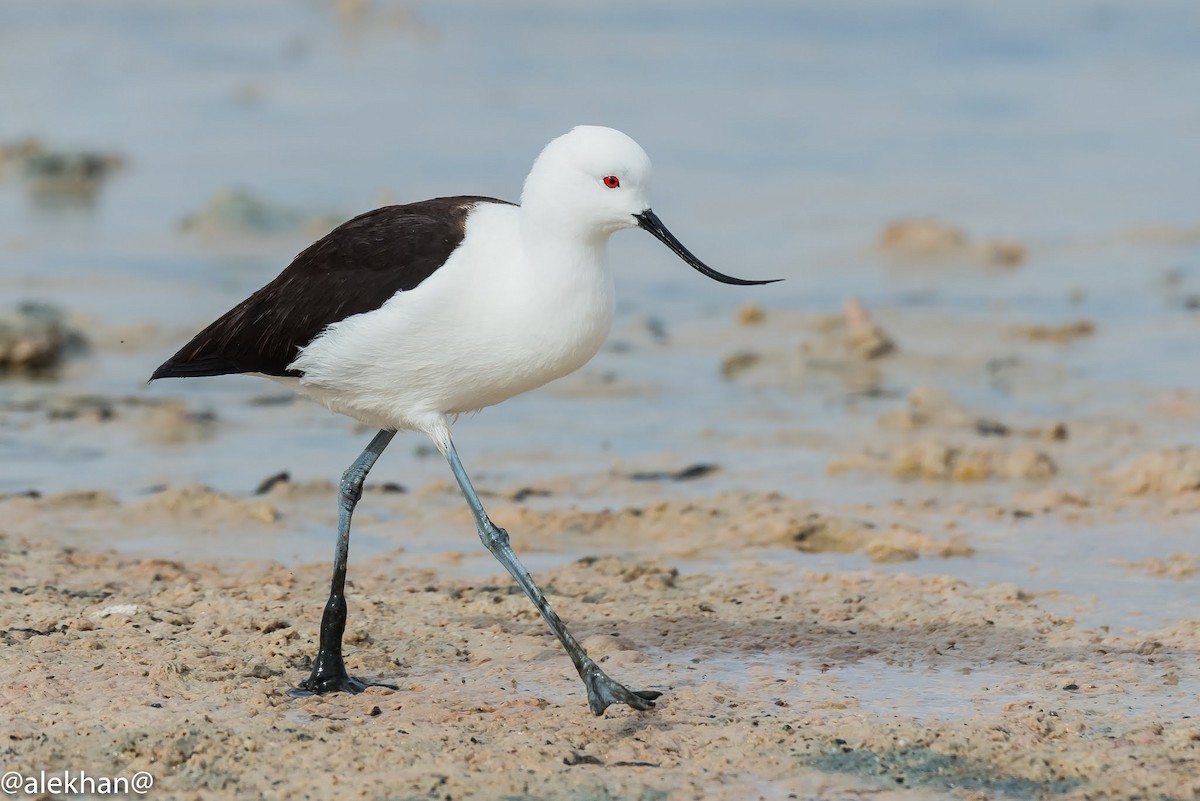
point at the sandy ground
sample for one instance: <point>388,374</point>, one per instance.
<point>843,685</point>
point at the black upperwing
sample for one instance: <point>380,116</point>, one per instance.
<point>355,268</point>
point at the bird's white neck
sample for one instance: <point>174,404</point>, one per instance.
<point>556,227</point>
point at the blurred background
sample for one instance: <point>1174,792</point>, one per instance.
<point>962,171</point>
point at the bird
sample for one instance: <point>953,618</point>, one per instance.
<point>409,315</point>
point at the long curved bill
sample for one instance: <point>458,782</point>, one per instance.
<point>649,221</point>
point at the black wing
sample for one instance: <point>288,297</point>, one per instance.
<point>355,268</point>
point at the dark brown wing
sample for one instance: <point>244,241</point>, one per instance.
<point>355,268</point>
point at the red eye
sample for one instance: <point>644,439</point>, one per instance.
<point>612,181</point>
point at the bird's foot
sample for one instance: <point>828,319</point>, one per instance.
<point>329,676</point>
<point>603,691</point>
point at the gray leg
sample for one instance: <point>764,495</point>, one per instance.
<point>602,690</point>
<point>329,671</point>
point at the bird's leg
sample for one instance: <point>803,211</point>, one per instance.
<point>329,671</point>
<point>602,690</point>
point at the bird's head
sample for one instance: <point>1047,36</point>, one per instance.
<point>594,181</point>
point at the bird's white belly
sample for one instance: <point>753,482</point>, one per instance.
<point>439,350</point>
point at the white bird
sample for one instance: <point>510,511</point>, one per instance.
<point>408,315</point>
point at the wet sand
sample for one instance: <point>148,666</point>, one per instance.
<point>181,669</point>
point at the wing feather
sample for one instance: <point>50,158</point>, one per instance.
<point>353,269</point>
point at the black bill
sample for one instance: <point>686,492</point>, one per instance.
<point>650,222</point>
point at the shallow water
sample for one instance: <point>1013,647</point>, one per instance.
<point>785,137</point>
